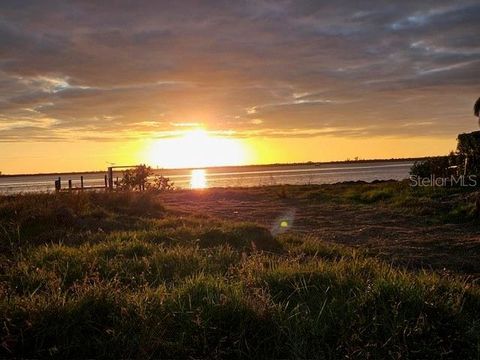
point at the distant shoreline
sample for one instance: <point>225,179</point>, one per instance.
<point>308,163</point>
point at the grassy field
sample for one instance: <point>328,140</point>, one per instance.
<point>198,274</point>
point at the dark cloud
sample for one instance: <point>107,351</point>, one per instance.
<point>74,69</point>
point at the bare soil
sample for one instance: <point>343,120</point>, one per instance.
<point>397,236</point>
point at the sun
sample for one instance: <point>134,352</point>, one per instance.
<point>197,148</point>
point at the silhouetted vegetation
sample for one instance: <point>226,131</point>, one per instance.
<point>464,161</point>
<point>476,108</point>
<point>437,166</point>
<point>468,148</point>
<point>160,183</point>
<point>141,178</point>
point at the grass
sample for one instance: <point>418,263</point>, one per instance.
<point>120,276</point>
<point>436,204</point>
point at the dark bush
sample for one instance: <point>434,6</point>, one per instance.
<point>439,166</point>
<point>468,147</point>
<point>160,183</point>
<point>140,178</point>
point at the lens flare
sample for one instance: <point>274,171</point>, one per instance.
<point>283,222</point>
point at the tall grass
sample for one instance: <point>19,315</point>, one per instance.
<point>435,204</point>
<point>161,286</point>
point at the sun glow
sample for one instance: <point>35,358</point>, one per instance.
<point>198,179</point>
<point>197,148</point>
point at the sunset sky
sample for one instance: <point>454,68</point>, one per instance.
<point>198,83</point>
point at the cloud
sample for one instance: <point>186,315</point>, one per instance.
<point>259,68</point>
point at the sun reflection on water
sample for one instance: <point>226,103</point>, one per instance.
<point>198,179</point>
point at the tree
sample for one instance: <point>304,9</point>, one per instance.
<point>466,159</point>
<point>468,147</point>
<point>476,108</point>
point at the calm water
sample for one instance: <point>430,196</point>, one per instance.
<point>232,176</point>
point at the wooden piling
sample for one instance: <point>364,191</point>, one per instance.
<point>106,182</point>
<point>58,184</point>
<point>81,182</point>
<point>69,184</point>
<point>110,178</point>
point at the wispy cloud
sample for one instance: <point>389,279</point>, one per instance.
<point>92,70</point>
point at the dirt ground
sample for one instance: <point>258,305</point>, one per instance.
<point>394,236</point>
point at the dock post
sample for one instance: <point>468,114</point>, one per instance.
<point>58,184</point>
<point>110,178</point>
<point>69,184</point>
<point>106,182</point>
<point>81,182</point>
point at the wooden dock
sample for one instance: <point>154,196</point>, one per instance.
<point>70,187</point>
<point>109,183</point>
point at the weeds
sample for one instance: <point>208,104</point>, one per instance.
<point>153,284</point>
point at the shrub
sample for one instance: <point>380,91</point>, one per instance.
<point>136,178</point>
<point>160,183</point>
<point>140,178</point>
<point>432,166</point>
<point>439,166</point>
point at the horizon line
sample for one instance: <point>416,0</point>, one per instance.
<point>225,166</point>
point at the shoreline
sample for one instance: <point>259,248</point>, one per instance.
<point>308,163</point>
